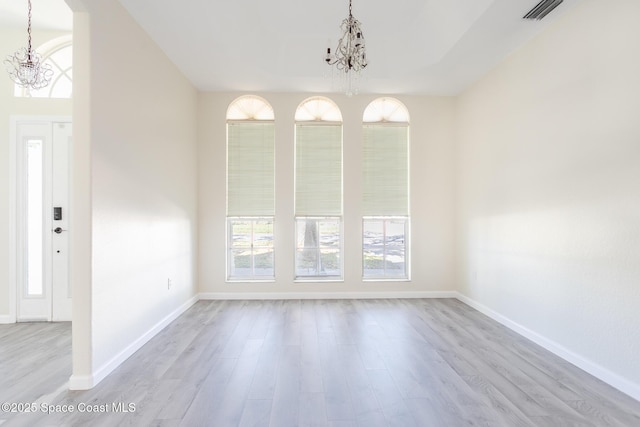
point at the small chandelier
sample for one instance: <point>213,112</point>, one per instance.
<point>349,58</point>
<point>25,66</point>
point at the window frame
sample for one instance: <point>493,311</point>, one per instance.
<point>406,249</point>
<point>388,112</point>
<point>230,248</point>
<point>318,111</point>
<point>248,109</point>
<point>318,248</point>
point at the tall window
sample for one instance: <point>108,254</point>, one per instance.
<point>58,53</point>
<point>250,190</point>
<point>318,190</point>
<point>385,194</point>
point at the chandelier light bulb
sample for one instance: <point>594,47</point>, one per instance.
<point>28,72</point>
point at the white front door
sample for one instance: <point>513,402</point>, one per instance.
<point>43,289</point>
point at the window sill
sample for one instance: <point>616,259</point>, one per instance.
<point>385,279</point>
<point>319,279</point>
<point>248,280</point>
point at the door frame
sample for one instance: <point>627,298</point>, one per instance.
<point>13,202</point>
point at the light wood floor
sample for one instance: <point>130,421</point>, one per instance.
<point>317,363</point>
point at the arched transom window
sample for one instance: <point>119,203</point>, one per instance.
<point>318,109</point>
<point>386,110</point>
<point>250,107</point>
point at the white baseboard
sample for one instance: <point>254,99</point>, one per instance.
<point>81,382</point>
<point>6,319</point>
<point>86,382</point>
<point>324,295</point>
<point>586,365</point>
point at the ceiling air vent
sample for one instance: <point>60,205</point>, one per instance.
<point>542,9</point>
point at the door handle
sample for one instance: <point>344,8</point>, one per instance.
<point>58,230</point>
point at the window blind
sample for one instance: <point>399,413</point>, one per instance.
<point>318,170</point>
<point>250,169</point>
<point>385,170</point>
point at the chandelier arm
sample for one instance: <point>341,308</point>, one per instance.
<point>349,57</point>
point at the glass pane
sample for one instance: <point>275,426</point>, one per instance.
<point>384,247</point>
<point>263,234</point>
<point>263,262</point>
<point>240,263</point>
<point>306,262</point>
<point>62,88</point>
<point>395,248</point>
<point>241,234</point>
<point>63,58</point>
<point>307,233</point>
<point>372,232</point>
<point>251,252</point>
<point>35,228</point>
<point>330,262</point>
<point>373,248</point>
<point>330,233</point>
<point>395,266</point>
<point>395,233</point>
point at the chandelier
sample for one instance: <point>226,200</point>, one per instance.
<point>349,58</point>
<point>25,66</point>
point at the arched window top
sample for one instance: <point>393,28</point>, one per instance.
<point>318,108</point>
<point>58,53</point>
<point>386,110</point>
<point>250,107</point>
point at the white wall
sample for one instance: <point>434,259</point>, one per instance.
<point>141,128</point>
<point>10,40</point>
<point>549,189</point>
<point>432,157</point>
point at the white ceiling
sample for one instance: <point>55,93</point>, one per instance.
<point>413,46</point>
<point>46,14</point>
